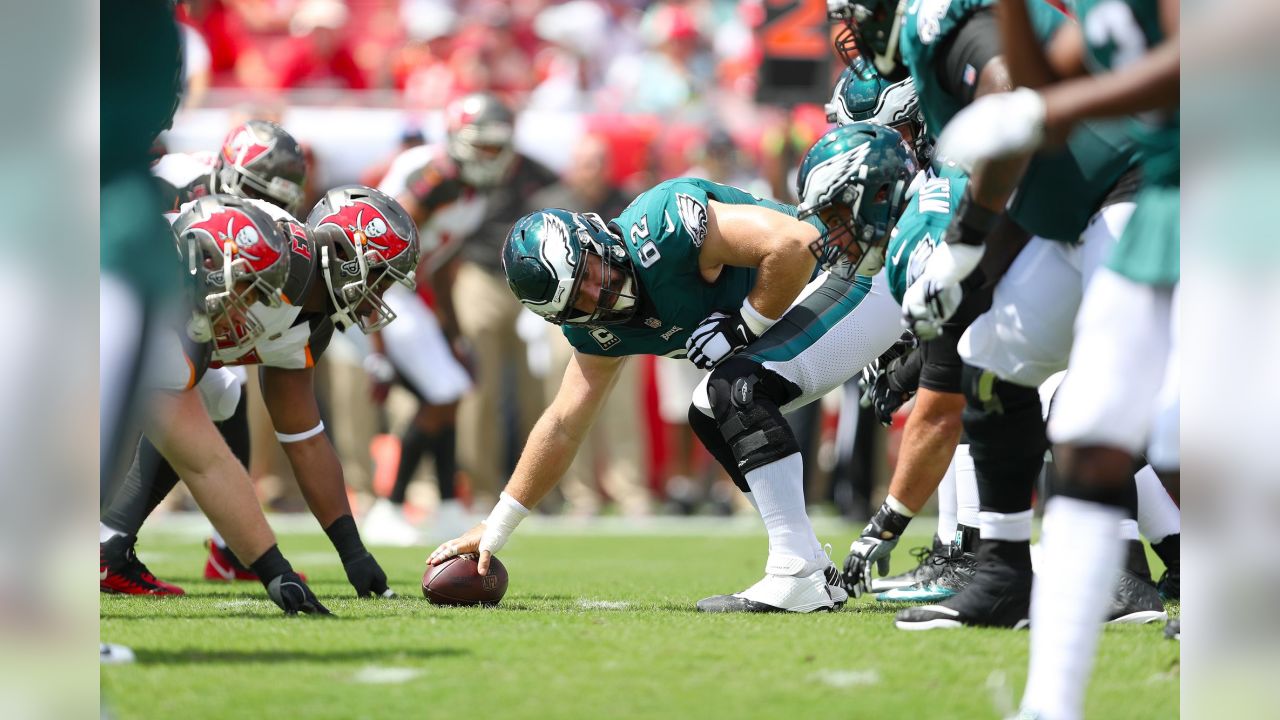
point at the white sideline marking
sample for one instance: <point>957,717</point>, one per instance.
<point>603,605</point>
<point>376,675</point>
<point>847,678</point>
<point>239,603</point>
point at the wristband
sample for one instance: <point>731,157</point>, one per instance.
<point>754,321</point>
<point>896,505</point>
<point>299,437</point>
<point>502,521</point>
<point>346,539</point>
<point>270,565</point>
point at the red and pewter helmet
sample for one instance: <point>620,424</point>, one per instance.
<point>235,255</point>
<point>481,138</point>
<point>260,160</point>
<point>366,241</point>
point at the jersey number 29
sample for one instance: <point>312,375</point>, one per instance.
<point>646,248</point>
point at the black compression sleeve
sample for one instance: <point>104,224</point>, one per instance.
<point>964,53</point>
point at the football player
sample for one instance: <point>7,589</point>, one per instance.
<point>705,271</point>
<point>1119,396</point>
<point>1073,203</point>
<point>235,255</point>
<point>356,243</point>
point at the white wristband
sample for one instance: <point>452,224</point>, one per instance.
<point>299,437</point>
<point>896,505</point>
<point>756,322</point>
<point>502,521</point>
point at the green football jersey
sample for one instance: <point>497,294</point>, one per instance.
<point>1062,188</point>
<point>663,230</point>
<point>921,227</point>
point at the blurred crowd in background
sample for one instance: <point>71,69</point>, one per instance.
<point>615,95</point>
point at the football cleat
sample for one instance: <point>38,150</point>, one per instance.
<point>929,566</point>
<point>224,566</point>
<point>111,654</point>
<point>999,595</point>
<point>1173,629</point>
<point>1135,599</point>
<point>124,574</point>
<point>385,524</point>
<point>782,590</point>
<point>955,575</point>
<point>1169,551</point>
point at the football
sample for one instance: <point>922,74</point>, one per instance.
<point>456,582</point>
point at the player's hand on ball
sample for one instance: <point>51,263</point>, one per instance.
<point>468,542</point>
<point>993,127</point>
<point>366,576</point>
<point>716,338</point>
<point>293,596</point>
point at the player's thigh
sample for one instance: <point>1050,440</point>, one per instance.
<point>417,349</point>
<point>829,336</point>
<point>1026,335</point>
<point>1118,364</point>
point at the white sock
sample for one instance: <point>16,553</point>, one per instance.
<point>1081,553</point>
<point>947,504</point>
<point>966,487</point>
<point>1005,526</point>
<point>777,491</point>
<point>751,498</point>
<point>217,540</point>
<point>105,533</point>
<point>1158,515</point>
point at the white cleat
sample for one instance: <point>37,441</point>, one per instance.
<point>385,524</point>
<point>111,654</point>
<point>783,589</point>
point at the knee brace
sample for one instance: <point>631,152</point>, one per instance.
<point>744,399</point>
<point>708,431</point>
<point>1006,433</point>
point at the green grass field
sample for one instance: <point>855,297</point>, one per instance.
<point>592,627</point>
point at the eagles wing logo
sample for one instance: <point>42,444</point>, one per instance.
<point>242,147</point>
<point>694,216</point>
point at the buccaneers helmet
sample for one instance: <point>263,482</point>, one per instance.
<point>260,160</point>
<point>481,131</point>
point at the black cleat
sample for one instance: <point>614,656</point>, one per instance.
<point>957,573</point>
<point>930,562</point>
<point>1135,599</point>
<point>1173,629</point>
<point>999,595</point>
<point>1169,551</point>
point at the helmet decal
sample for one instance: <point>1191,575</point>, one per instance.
<point>236,235</point>
<point>365,224</point>
<point>557,252</point>
<point>694,216</point>
<point>827,178</point>
<point>242,146</point>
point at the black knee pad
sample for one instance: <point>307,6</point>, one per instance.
<point>744,400</point>
<point>1006,434</point>
<point>708,431</point>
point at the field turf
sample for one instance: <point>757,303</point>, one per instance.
<point>593,626</point>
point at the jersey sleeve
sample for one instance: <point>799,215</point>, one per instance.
<point>433,185</point>
<point>965,53</point>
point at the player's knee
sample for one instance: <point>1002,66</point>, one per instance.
<point>745,408</point>
<point>1003,424</point>
<point>1096,474</point>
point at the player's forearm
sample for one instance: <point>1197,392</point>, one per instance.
<point>1150,83</point>
<point>993,183</point>
<point>548,453</point>
<point>1028,66</point>
<point>780,277</point>
<point>319,472</point>
<point>928,442</point>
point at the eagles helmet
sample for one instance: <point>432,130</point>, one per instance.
<point>366,241</point>
<point>480,138</point>
<point>862,94</point>
<point>870,30</point>
<point>856,179</point>
<point>234,254</point>
<point>260,160</point>
<point>549,255</point>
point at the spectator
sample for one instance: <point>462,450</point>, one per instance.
<point>317,54</point>
<point>422,67</point>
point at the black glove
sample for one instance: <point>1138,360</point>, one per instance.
<point>293,596</point>
<point>367,577</point>
<point>890,380</point>
<point>718,337</point>
<point>878,539</point>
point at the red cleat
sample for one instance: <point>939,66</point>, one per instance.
<point>224,566</point>
<point>124,574</point>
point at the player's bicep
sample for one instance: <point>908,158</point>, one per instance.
<point>1065,51</point>
<point>743,235</point>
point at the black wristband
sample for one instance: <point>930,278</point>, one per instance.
<point>972,222</point>
<point>887,520</point>
<point>270,565</point>
<point>346,539</point>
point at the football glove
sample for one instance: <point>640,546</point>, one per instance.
<point>293,596</point>
<point>993,127</point>
<point>873,547</point>
<point>367,577</point>
<point>718,337</point>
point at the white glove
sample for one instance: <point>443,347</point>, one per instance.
<point>839,9</point>
<point>721,335</point>
<point>379,368</point>
<point>993,127</point>
<point>933,298</point>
